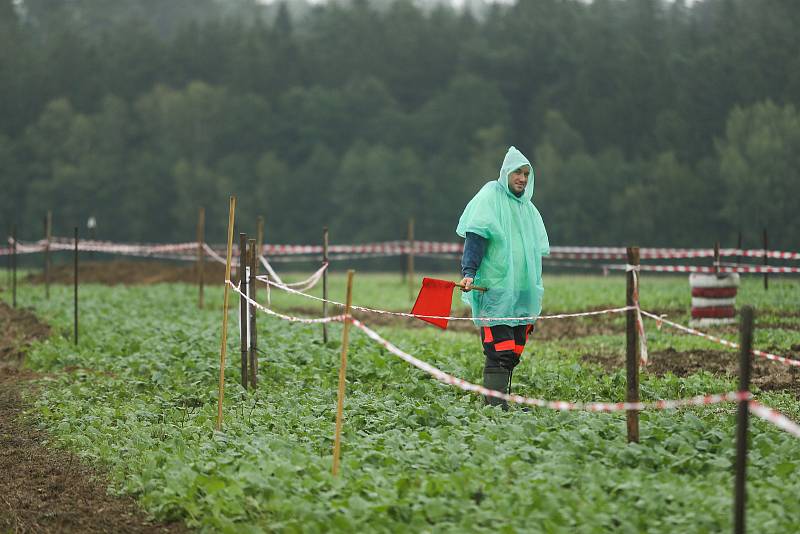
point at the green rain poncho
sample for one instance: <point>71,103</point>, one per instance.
<point>512,265</point>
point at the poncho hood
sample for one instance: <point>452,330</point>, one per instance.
<point>517,240</point>
<point>514,160</point>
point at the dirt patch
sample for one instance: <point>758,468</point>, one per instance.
<point>19,328</point>
<point>545,329</point>
<point>45,490</point>
<point>130,273</point>
<point>579,327</point>
<point>767,375</point>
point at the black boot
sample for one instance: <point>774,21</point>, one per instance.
<point>496,378</point>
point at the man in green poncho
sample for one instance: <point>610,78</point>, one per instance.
<point>505,241</point>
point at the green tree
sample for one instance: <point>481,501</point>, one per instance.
<point>760,170</point>
<point>377,189</point>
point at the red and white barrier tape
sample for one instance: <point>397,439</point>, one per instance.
<point>304,285</point>
<point>702,400</point>
<point>706,269</point>
<point>774,417</point>
<point>425,247</point>
<point>450,318</point>
<point>301,286</point>
<point>760,253</point>
<point>270,270</point>
<point>282,316</point>
<point>60,243</point>
<point>541,403</point>
<point>731,344</point>
<point>667,253</point>
<point>213,254</point>
<point>24,248</point>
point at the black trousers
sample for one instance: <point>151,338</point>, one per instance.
<point>503,344</point>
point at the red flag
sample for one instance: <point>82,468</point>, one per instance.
<point>435,298</point>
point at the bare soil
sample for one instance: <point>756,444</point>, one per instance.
<point>767,375</point>
<point>43,489</point>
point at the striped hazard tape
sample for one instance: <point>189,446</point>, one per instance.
<point>701,400</point>
<point>550,404</point>
<point>766,355</point>
<point>751,269</point>
<point>774,417</point>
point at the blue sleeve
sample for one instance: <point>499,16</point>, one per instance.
<point>474,250</point>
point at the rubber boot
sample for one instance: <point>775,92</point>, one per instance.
<point>496,378</point>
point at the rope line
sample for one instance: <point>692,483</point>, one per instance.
<point>764,412</point>
<point>766,355</point>
<point>451,318</point>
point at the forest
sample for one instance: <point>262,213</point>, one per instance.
<point>648,122</point>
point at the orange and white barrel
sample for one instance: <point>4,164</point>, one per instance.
<point>713,298</point>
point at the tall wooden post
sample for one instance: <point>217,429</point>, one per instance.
<point>411,258</point>
<point>201,252</point>
<point>14,266</point>
<point>337,440</point>
<point>243,323</point>
<point>742,419</point>
<point>224,347</point>
<point>48,236</point>
<point>75,293</point>
<point>252,373</point>
<point>766,260</point>
<point>716,258</point>
<point>325,283</point>
<point>632,353</point>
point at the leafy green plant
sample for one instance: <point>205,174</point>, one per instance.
<point>138,396</point>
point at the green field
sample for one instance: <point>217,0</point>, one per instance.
<point>139,397</point>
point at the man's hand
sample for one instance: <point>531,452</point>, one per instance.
<point>466,284</point>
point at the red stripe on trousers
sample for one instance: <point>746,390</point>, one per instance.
<point>505,345</point>
<point>487,335</point>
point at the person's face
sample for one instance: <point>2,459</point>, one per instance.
<point>518,179</point>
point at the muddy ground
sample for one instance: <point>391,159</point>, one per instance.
<point>767,375</point>
<point>43,489</point>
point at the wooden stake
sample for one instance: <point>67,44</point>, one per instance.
<point>243,322</point>
<point>14,266</point>
<point>325,283</point>
<point>766,260</point>
<point>742,419</point>
<point>411,258</point>
<point>75,295</point>
<point>337,440</point>
<point>716,258</point>
<point>633,351</point>
<point>201,252</point>
<point>48,235</point>
<point>252,374</point>
<point>224,347</point>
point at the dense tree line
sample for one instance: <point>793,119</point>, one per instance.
<point>648,122</point>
